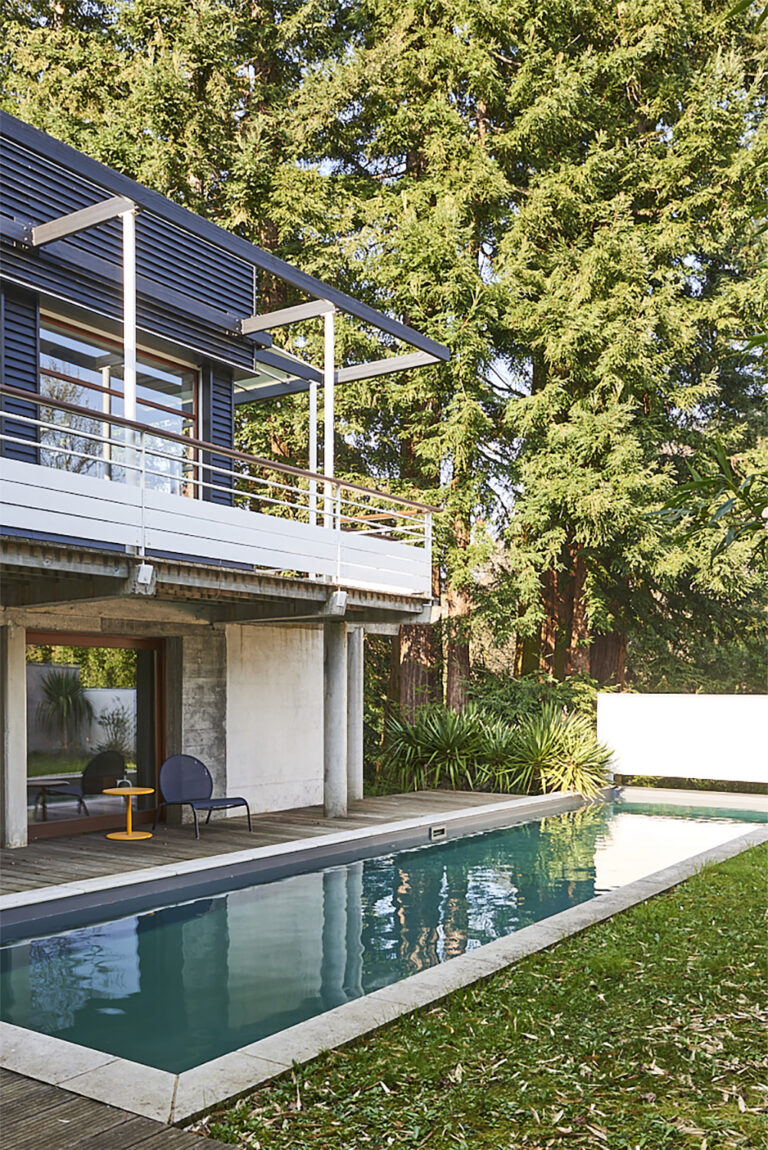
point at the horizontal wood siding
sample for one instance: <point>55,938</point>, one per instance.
<point>19,367</point>
<point>218,426</point>
<point>181,276</point>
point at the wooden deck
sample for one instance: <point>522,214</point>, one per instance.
<point>36,1116</point>
<point>48,862</point>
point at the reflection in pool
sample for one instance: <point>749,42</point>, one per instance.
<point>178,986</point>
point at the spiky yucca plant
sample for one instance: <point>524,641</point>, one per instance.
<point>64,704</point>
<point>557,751</point>
<point>439,748</point>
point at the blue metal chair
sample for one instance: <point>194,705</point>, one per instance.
<point>185,781</point>
<point>104,770</point>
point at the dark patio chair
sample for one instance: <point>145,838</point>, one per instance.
<point>185,781</point>
<point>104,770</point>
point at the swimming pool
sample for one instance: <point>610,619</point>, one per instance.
<point>179,985</point>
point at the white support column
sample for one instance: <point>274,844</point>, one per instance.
<point>106,427</point>
<point>329,372</point>
<point>355,684</point>
<point>335,720</point>
<point>313,452</point>
<point>129,313</point>
<point>13,748</point>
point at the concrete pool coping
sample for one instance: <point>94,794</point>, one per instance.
<point>58,907</point>
<point>169,1097</point>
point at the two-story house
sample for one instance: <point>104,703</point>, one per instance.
<point>130,331</point>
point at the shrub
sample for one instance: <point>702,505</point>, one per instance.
<point>118,727</point>
<point>545,751</point>
<point>440,747</point>
<point>555,751</point>
<point>512,698</point>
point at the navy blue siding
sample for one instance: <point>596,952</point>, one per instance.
<point>218,426</point>
<point>181,277</point>
<point>19,367</point>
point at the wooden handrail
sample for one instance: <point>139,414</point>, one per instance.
<point>202,445</point>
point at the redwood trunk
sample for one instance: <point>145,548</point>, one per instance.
<point>576,655</point>
<point>419,677</point>
<point>457,658</point>
<point>608,659</point>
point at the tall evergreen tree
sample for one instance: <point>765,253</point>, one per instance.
<point>630,274</point>
<point>562,193</point>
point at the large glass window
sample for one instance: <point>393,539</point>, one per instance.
<point>83,368</point>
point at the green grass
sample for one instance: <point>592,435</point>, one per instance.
<point>646,1032</point>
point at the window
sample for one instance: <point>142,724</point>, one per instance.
<point>83,368</point>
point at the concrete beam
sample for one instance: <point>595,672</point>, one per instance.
<point>335,721</point>
<point>355,708</point>
<point>13,747</point>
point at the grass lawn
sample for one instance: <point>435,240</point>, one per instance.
<point>646,1032</point>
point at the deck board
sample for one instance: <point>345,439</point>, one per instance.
<point>48,862</point>
<point>36,1116</point>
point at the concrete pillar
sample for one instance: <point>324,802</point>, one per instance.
<point>335,720</point>
<point>355,671</point>
<point>13,748</point>
<point>196,706</point>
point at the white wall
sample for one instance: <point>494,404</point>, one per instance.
<point>687,736</point>
<point>104,699</point>
<point>275,716</point>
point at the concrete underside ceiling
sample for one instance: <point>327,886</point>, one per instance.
<point>79,585</point>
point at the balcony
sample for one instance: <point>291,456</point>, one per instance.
<point>106,482</point>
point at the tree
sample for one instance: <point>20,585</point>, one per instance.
<point>630,266</point>
<point>564,194</point>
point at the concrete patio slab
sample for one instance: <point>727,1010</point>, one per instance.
<point>129,1086</point>
<point>45,1058</point>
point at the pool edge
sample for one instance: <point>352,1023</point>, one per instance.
<point>179,1098</point>
<point>46,910</point>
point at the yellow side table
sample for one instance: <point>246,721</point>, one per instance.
<point>128,793</point>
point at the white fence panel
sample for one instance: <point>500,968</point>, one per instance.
<point>687,736</point>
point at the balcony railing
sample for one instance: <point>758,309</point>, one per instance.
<point>155,491</point>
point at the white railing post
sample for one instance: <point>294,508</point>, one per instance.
<point>106,428</point>
<point>329,372</point>
<point>142,482</point>
<point>129,314</point>
<point>313,452</point>
<point>129,337</point>
<point>337,528</point>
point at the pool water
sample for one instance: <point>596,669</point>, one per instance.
<point>175,987</point>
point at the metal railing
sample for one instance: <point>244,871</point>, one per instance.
<point>66,436</point>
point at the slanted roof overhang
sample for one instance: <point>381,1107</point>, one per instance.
<point>282,374</point>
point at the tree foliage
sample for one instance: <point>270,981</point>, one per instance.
<point>567,195</point>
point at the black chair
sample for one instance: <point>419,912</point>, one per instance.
<point>185,781</point>
<point>104,770</point>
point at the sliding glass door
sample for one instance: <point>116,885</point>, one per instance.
<point>93,719</point>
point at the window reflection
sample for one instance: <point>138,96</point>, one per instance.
<point>82,368</point>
